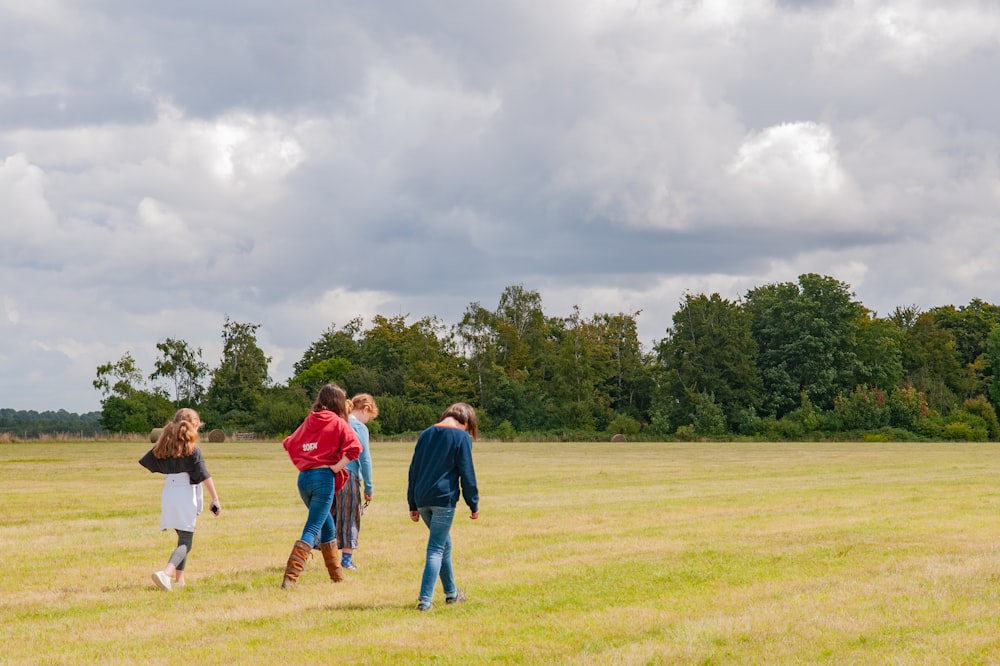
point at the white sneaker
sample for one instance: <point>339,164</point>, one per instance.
<point>162,580</point>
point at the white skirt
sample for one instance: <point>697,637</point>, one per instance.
<point>181,503</point>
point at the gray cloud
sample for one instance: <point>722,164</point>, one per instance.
<point>165,165</point>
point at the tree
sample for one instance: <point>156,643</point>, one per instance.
<point>807,337</point>
<point>140,412</point>
<point>931,362</point>
<point>119,379</point>
<point>183,367</point>
<point>238,384</point>
<point>992,353</point>
<point>970,325</point>
<point>126,406</point>
<point>312,379</point>
<point>333,343</point>
<point>580,366</point>
<point>630,382</point>
<point>476,336</point>
<point>879,353</point>
<point>708,357</point>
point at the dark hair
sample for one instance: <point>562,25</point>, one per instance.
<point>333,398</point>
<point>465,414</point>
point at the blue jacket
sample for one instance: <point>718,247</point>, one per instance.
<point>363,465</point>
<point>442,459</point>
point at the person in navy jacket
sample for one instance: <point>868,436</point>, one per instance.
<point>440,471</point>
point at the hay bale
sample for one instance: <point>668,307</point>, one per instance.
<point>216,436</point>
<point>154,435</point>
<point>618,438</point>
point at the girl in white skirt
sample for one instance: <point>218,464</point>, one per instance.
<point>177,455</point>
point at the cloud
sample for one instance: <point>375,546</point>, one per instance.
<point>165,165</point>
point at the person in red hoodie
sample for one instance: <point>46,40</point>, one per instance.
<point>320,448</point>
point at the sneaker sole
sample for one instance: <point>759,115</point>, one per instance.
<point>159,584</point>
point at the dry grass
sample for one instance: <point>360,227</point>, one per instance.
<point>630,553</point>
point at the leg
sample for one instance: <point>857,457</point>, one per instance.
<point>331,558</point>
<point>347,516</point>
<point>447,574</point>
<point>296,563</point>
<point>438,520</point>
<point>178,559</point>
<point>316,490</point>
<point>175,565</point>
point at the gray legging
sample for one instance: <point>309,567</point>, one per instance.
<point>178,558</point>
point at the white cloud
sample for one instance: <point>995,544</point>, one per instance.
<point>164,166</point>
<point>791,174</point>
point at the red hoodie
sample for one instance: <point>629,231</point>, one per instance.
<point>322,440</point>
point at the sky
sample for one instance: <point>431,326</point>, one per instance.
<point>165,165</point>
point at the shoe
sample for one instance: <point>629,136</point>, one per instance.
<point>351,566</point>
<point>424,605</point>
<point>162,581</point>
<point>457,599</point>
<point>179,583</point>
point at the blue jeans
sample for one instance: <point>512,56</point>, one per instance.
<point>316,488</point>
<point>438,520</point>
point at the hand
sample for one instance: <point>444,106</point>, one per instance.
<point>368,497</point>
<point>415,516</point>
<point>216,507</point>
<point>474,515</point>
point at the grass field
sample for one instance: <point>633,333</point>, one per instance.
<point>680,553</point>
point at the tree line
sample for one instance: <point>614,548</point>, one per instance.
<point>793,360</point>
<point>30,424</point>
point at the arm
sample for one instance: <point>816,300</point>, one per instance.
<point>365,462</point>
<point>216,506</point>
<point>467,478</point>
<point>341,464</point>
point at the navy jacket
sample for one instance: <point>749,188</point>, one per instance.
<point>442,459</point>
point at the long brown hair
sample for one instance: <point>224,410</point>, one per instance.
<point>333,398</point>
<point>180,436</point>
<point>465,414</point>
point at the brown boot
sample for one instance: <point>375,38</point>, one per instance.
<point>331,557</point>
<point>296,562</point>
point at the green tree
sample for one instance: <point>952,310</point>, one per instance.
<point>580,366</point>
<point>932,365</point>
<point>991,352</point>
<point>970,326</point>
<point>476,337</point>
<point>183,367</point>
<point>139,413</point>
<point>312,379</point>
<point>120,378</point>
<point>333,343</point>
<point>807,337</point>
<point>127,406</point>
<point>282,409</point>
<point>238,384</point>
<point>629,384</point>
<point>879,353</point>
<point>709,351</point>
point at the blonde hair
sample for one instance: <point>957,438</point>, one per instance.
<point>180,436</point>
<point>465,414</point>
<point>362,400</point>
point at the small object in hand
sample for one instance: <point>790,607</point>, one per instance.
<point>364,507</point>
<point>216,508</point>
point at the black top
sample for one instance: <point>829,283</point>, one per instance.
<point>193,464</point>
